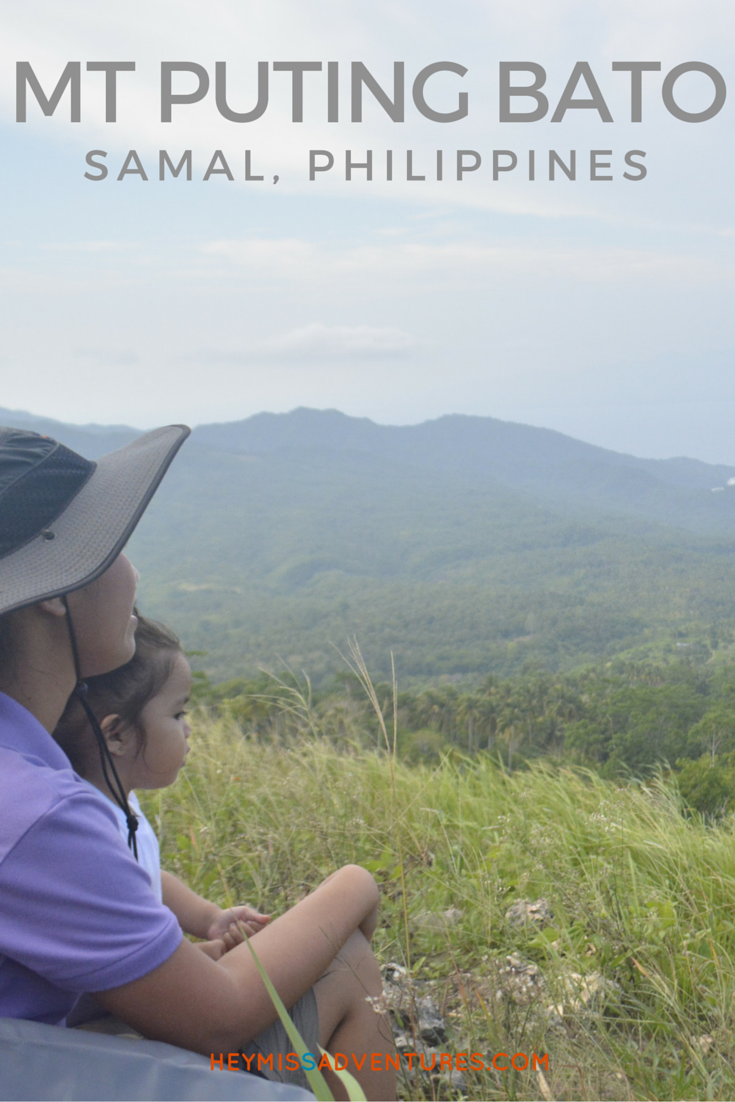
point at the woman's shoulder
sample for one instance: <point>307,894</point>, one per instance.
<point>37,782</point>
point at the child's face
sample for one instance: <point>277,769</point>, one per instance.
<point>166,731</point>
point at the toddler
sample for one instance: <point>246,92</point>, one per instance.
<point>141,709</point>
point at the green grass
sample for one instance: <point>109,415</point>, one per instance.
<point>640,895</point>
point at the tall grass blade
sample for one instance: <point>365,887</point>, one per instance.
<point>317,1082</point>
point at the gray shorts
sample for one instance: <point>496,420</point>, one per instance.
<point>276,1042</point>
<point>272,1041</point>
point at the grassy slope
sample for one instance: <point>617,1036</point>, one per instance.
<point>639,894</point>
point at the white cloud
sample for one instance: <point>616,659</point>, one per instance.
<point>284,256</point>
<point>293,258</point>
<point>113,247</point>
<point>319,342</point>
<point>113,357</point>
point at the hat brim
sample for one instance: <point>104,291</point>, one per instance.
<point>93,529</point>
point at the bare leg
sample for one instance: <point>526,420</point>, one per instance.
<point>348,1023</point>
<point>370,922</point>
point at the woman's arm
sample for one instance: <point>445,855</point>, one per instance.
<point>196,1003</point>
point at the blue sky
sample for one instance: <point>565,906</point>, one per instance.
<point>603,309</point>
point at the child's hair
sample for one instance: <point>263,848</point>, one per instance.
<point>123,692</point>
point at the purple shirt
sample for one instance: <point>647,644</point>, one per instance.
<point>77,913</point>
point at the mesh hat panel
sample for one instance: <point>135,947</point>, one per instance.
<point>90,532</point>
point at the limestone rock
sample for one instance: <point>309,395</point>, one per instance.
<point>410,1007</point>
<point>574,995</point>
<point>437,920</point>
<point>582,995</point>
<point>523,912</point>
<point>704,1043</point>
<point>432,1027</point>
<point>520,980</point>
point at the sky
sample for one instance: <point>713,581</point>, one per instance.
<point>601,308</point>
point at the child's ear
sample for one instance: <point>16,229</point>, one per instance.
<point>117,735</point>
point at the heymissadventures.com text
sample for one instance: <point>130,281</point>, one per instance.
<point>381,1061</point>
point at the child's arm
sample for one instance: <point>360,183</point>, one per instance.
<point>206,920</point>
<point>188,1003</point>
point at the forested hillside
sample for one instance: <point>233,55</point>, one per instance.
<point>466,546</point>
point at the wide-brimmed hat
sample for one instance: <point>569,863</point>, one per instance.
<point>63,518</point>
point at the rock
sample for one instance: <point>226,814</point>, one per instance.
<point>589,992</point>
<point>397,995</point>
<point>522,983</point>
<point>393,972</point>
<point>425,1068</point>
<point>582,995</point>
<point>520,980</point>
<point>522,912</point>
<point>543,1086</point>
<point>402,1041</point>
<point>411,1009</point>
<point>458,1082</point>
<point>431,1026</point>
<point>437,920</point>
<point>704,1043</point>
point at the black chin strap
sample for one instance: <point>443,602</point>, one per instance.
<point>113,783</point>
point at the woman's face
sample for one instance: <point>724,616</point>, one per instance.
<point>102,614</point>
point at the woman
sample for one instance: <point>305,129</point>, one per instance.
<point>78,914</point>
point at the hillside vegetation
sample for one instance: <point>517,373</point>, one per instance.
<point>623,719</point>
<point>627,981</point>
<point>466,546</point>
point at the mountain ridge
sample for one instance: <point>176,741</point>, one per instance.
<point>562,471</point>
<point>463,546</point>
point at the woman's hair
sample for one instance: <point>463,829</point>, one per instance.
<point>123,692</point>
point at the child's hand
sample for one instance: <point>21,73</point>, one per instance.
<point>215,948</point>
<point>234,936</point>
<point>237,923</point>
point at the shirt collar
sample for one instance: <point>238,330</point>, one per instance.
<point>21,731</point>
